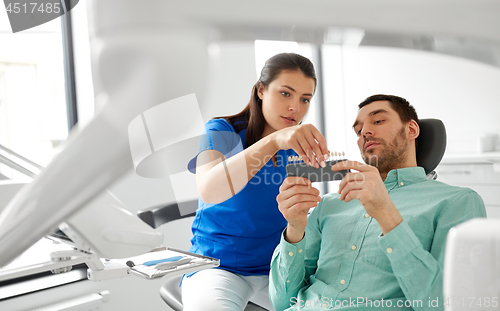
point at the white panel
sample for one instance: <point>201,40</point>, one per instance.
<point>92,302</point>
<point>480,177</point>
<point>489,193</point>
<point>266,49</point>
<point>140,146</point>
<point>81,56</point>
<point>465,174</point>
<point>184,185</point>
<point>174,121</point>
<point>231,79</point>
<point>339,135</point>
<point>462,93</point>
<point>336,123</point>
<point>493,211</point>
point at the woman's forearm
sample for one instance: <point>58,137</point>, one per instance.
<point>218,179</point>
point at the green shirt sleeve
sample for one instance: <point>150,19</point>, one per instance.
<point>419,272</point>
<point>293,264</point>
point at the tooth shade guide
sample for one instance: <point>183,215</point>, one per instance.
<point>330,156</point>
<point>302,169</point>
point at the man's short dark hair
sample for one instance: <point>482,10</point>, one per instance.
<point>404,109</point>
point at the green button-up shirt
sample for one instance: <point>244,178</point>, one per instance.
<point>344,261</point>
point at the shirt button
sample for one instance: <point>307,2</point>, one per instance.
<point>300,250</point>
<point>288,281</point>
<point>353,247</point>
<point>342,282</point>
<point>367,216</point>
<point>402,183</point>
<point>389,250</point>
<point>290,253</point>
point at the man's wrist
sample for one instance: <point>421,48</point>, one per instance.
<point>293,235</point>
<point>389,221</point>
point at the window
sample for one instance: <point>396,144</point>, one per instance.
<point>33,118</point>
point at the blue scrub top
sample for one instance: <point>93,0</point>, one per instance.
<point>244,230</point>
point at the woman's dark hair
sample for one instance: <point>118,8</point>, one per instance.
<point>251,117</point>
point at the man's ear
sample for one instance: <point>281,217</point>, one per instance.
<point>413,130</point>
<point>260,90</point>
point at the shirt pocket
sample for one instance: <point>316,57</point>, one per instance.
<point>374,255</point>
<point>377,258</point>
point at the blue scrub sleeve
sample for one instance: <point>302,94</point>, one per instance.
<point>218,135</point>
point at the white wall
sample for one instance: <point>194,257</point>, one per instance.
<point>464,94</point>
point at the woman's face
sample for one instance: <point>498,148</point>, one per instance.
<point>285,101</point>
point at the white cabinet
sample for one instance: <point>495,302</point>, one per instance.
<point>480,173</point>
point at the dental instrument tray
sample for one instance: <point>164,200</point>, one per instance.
<point>169,262</point>
<point>300,169</point>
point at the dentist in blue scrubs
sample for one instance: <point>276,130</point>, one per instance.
<point>239,168</point>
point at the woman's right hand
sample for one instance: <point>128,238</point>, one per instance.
<point>295,199</point>
<point>306,141</point>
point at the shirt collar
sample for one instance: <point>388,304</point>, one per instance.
<point>404,177</point>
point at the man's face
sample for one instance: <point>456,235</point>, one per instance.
<point>382,136</point>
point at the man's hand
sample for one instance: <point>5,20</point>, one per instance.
<point>295,199</point>
<point>367,186</point>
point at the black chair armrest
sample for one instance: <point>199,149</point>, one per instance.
<point>158,215</point>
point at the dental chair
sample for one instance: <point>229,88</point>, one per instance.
<point>430,151</point>
<point>156,216</point>
<point>431,145</point>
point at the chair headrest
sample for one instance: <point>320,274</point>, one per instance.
<point>431,144</point>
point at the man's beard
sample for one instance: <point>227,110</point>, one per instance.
<point>392,156</point>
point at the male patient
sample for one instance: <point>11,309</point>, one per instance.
<point>379,243</point>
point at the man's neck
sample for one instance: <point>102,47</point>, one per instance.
<point>384,174</point>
